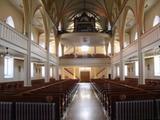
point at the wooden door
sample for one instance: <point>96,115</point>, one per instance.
<point>85,76</point>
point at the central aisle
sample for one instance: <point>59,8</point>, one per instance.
<point>85,105</point>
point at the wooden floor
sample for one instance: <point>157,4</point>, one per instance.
<point>85,105</point>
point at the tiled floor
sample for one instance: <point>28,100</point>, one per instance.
<point>85,105</point>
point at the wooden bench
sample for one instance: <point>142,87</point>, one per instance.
<point>58,93</point>
<point>120,98</point>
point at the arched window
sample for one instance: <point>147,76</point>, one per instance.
<point>8,67</point>
<point>136,68</point>
<point>60,26</point>
<point>32,69</point>
<point>60,50</point>
<point>109,26</point>
<point>157,65</point>
<point>109,48</point>
<point>136,36</point>
<point>43,71</point>
<point>32,37</point>
<point>156,20</point>
<point>117,70</point>
<point>10,21</point>
<point>126,70</point>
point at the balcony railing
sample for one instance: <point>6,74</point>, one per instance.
<point>87,62</point>
<point>9,37</point>
<point>149,40</point>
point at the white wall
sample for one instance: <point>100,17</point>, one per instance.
<point>7,9</point>
<point>149,15</point>
<point>149,69</point>
<point>19,71</point>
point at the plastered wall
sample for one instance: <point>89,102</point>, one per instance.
<point>10,10</point>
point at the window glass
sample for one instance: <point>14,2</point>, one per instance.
<point>32,37</point>
<point>136,68</point>
<point>8,67</point>
<point>157,65</point>
<point>10,21</point>
<point>32,69</point>
<point>51,71</point>
<point>118,71</point>
<point>125,70</point>
<point>136,36</point>
<point>43,71</point>
<point>109,48</point>
<point>156,20</point>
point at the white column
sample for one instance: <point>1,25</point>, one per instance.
<point>57,46</point>
<point>27,32</point>
<point>47,35</point>
<point>112,46</point>
<point>113,71</point>
<point>141,60</point>
<point>122,76</point>
<point>57,72</point>
<point>27,71</point>
<point>1,69</point>
<point>140,30</point>
<point>47,64</point>
<point>53,73</point>
<point>47,71</point>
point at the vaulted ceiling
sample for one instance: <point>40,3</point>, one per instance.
<point>64,10</point>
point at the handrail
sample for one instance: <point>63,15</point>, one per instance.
<point>70,72</point>
<point>100,71</point>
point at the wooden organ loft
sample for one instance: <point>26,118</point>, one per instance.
<point>84,23</point>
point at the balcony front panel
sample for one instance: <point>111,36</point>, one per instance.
<point>16,41</point>
<point>151,38</point>
<point>86,62</point>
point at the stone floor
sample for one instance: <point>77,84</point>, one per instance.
<point>85,105</point>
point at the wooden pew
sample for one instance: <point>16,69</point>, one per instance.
<point>58,93</point>
<point>119,99</point>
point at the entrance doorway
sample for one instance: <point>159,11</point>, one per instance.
<point>85,76</point>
